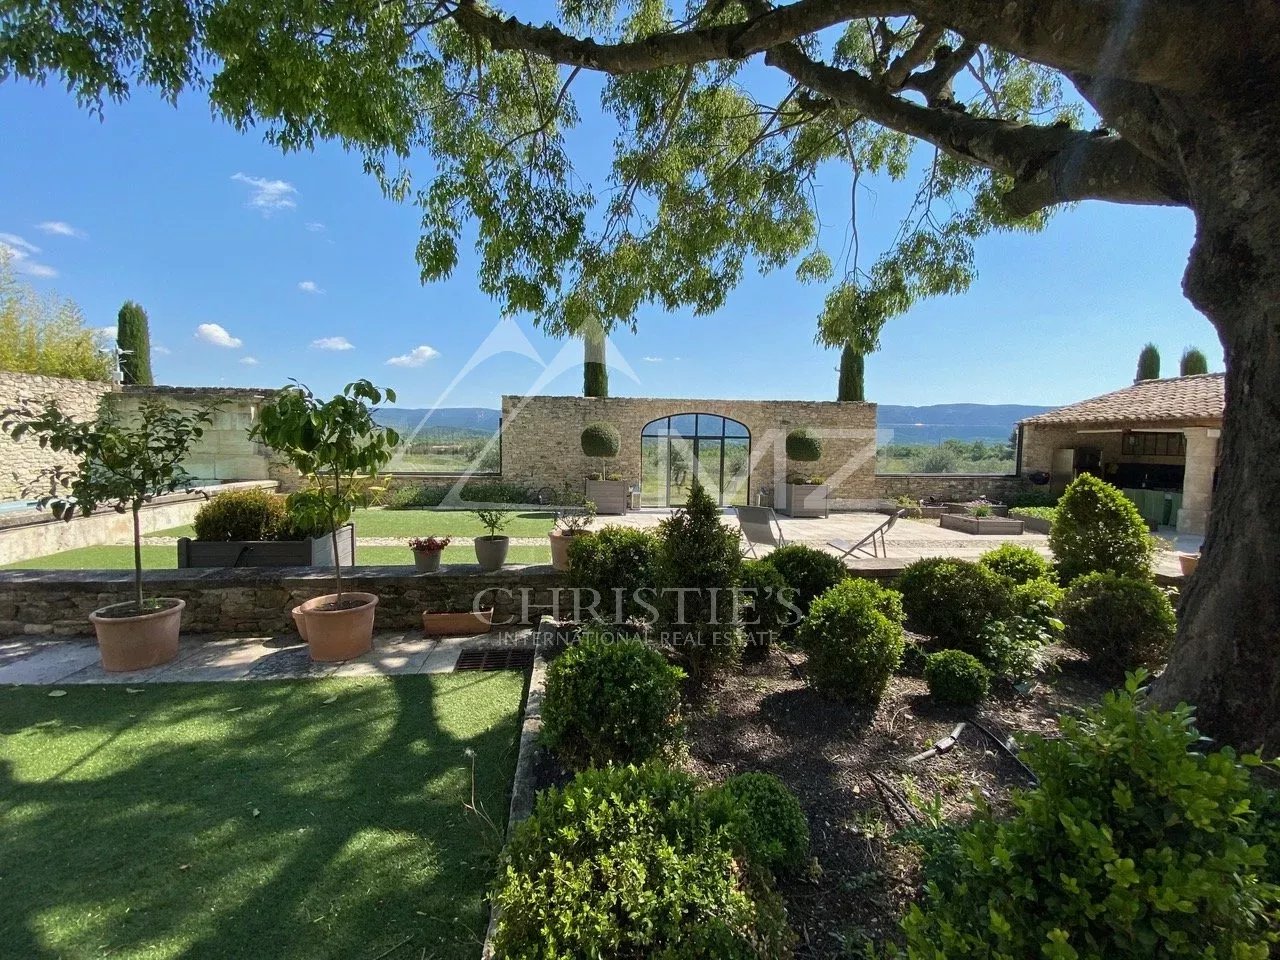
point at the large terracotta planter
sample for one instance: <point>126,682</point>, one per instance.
<point>560,548</point>
<point>491,552</point>
<point>334,635</point>
<point>1188,562</point>
<point>138,641</point>
<point>468,623</point>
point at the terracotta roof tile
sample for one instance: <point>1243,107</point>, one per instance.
<point>1199,397</point>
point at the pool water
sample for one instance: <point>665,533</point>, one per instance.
<point>13,506</point>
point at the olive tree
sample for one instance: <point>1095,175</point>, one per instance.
<point>725,112</point>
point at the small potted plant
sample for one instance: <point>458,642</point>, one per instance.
<point>608,491</point>
<point>804,495</point>
<point>337,442</point>
<point>426,552</point>
<point>491,550</point>
<point>121,463</point>
<point>570,523</point>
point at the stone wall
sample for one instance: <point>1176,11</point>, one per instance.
<point>949,487</point>
<point>541,438</point>
<point>22,461</point>
<point>257,601</point>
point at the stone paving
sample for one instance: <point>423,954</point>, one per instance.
<point>42,661</point>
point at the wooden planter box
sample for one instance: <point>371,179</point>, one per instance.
<point>997,509</point>
<point>1036,524</point>
<point>805,500</point>
<point>312,552</point>
<point>609,496</point>
<point>468,623</point>
<point>981,526</point>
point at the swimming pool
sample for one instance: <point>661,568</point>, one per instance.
<point>14,506</point>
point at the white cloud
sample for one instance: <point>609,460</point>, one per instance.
<point>310,286</point>
<point>333,343</point>
<point>651,359</point>
<point>249,361</point>
<point>20,252</point>
<point>415,357</point>
<point>160,349</point>
<point>60,228</point>
<point>268,196</point>
<point>315,226</point>
<point>215,334</point>
<point>107,333</point>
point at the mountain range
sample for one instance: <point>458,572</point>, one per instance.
<point>931,424</point>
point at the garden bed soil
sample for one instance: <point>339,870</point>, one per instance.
<point>767,718</point>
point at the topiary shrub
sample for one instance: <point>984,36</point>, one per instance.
<point>853,635</point>
<point>957,677</point>
<point>763,606</point>
<point>627,862</point>
<point>1137,843</point>
<point>610,700</point>
<point>953,600</point>
<point>1037,599</point>
<point>242,515</point>
<point>1019,564</point>
<point>1098,528</point>
<point>698,568</point>
<point>601,440</point>
<point>1148,363</point>
<point>616,562</point>
<point>807,571</point>
<point>803,446</point>
<point>772,826</point>
<point>1193,362</point>
<point>1118,622</point>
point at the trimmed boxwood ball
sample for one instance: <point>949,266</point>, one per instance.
<point>954,600</point>
<point>1118,622</point>
<point>254,514</point>
<point>601,440</point>
<point>1019,564</point>
<point>612,559</point>
<point>772,826</point>
<point>808,571</point>
<point>610,699</point>
<point>803,446</point>
<point>633,862</point>
<point>1098,528</point>
<point>957,677</point>
<point>764,613</point>
<point>853,636</point>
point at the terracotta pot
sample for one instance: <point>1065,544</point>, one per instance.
<point>491,552</point>
<point>334,635</point>
<point>139,641</point>
<point>1188,562</point>
<point>465,624</point>
<point>560,549</point>
<point>427,561</point>
<point>300,622</point>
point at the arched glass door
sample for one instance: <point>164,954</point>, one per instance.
<point>675,449</point>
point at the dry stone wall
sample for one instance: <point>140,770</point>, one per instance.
<point>23,460</point>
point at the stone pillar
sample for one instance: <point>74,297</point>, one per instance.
<point>1197,482</point>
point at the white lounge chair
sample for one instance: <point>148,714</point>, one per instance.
<point>872,545</point>
<point>760,527</point>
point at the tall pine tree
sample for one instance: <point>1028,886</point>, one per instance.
<point>133,337</point>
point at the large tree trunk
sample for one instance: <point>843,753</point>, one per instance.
<point>1227,657</point>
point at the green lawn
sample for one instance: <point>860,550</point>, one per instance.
<point>307,819</point>
<point>378,522</point>
<point>120,557</point>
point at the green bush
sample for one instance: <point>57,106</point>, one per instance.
<point>698,567</point>
<point>254,514</point>
<point>1137,843</point>
<point>1034,513</point>
<point>1037,599</point>
<point>953,600</point>
<point>417,496</point>
<point>957,677</point>
<point>1098,528</point>
<point>601,440</point>
<point>610,699</point>
<point>629,863</point>
<point>1031,499</point>
<point>853,635</point>
<point>808,571</point>
<point>803,446</point>
<point>1013,649</point>
<point>613,559</point>
<point>45,335</point>
<point>1118,622</point>
<point>1019,564</point>
<point>763,607</point>
<point>914,658</point>
<point>772,827</point>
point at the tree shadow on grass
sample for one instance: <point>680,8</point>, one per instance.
<point>310,819</point>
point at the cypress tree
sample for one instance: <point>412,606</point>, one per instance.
<point>134,335</point>
<point>1193,361</point>
<point>1148,363</point>
<point>595,374</point>
<point>852,368</point>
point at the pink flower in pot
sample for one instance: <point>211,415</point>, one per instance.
<point>426,552</point>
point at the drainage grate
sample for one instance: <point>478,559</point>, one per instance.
<point>504,658</point>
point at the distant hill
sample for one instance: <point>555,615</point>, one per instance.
<point>478,420</point>
<point>959,421</point>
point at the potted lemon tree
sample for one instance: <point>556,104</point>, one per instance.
<point>338,443</point>
<point>120,462</point>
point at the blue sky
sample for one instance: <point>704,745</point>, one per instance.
<point>205,226</point>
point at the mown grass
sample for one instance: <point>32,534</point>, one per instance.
<point>120,557</point>
<point>380,522</point>
<point>302,819</point>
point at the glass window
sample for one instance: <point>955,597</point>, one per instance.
<point>658,428</point>
<point>678,448</point>
<point>732,428</point>
<point>685,425</point>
